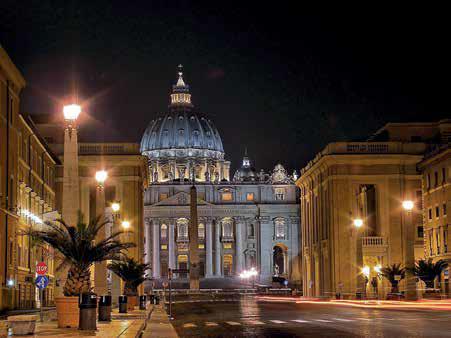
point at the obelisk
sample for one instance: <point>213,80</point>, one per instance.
<point>193,242</point>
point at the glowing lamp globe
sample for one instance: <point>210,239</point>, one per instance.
<point>407,205</point>
<point>101,176</point>
<point>125,224</point>
<point>366,271</point>
<point>115,206</point>
<point>71,112</point>
<point>358,222</point>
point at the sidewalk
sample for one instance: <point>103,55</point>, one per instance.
<point>159,326</point>
<point>127,325</point>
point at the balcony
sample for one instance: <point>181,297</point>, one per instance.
<point>374,245</point>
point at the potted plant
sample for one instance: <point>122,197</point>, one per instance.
<point>394,274</point>
<point>79,250</point>
<point>132,273</point>
<point>428,271</point>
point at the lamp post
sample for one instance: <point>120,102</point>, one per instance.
<point>361,285</point>
<point>100,270</point>
<point>409,250</point>
<point>71,184</point>
<point>246,274</point>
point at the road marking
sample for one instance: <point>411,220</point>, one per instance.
<point>323,320</point>
<point>278,321</point>
<point>255,322</point>
<point>211,324</point>
<point>300,321</point>
<point>189,325</point>
<point>233,323</point>
<point>343,320</point>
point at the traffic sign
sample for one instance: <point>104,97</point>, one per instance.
<point>42,282</point>
<point>41,268</point>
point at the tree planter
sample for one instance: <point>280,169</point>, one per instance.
<point>132,301</point>
<point>22,325</point>
<point>67,311</point>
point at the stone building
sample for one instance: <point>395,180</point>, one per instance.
<point>368,181</point>
<point>250,220</point>
<point>435,169</point>
<point>27,195</point>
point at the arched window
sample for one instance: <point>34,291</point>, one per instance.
<point>164,231</point>
<point>182,229</point>
<point>181,138</point>
<point>227,228</point>
<point>201,231</point>
<point>279,228</point>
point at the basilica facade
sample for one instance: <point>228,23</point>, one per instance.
<point>248,220</point>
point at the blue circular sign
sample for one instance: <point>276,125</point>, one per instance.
<point>42,282</point>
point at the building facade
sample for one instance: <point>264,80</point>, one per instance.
<point>27,196</point>
<point>250,220</point>
<point>368,181</point>
<point>436,176</point>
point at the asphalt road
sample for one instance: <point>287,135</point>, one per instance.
<point>248,318</point>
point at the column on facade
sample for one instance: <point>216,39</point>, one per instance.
<point>239,245</point>
<point>218,270</point>
<point>171,245</point>
<point>209,249</point>
<point>266,234</point>
<point>148,246</point>
<point>156,249</point>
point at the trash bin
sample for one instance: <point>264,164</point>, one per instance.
<point>87,302</point>
<point>122,304</point>
<point>142,302</point>
<point>105,309</point>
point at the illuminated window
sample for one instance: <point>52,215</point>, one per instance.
<point>279,225</point>
<point>164,231</point>
<point>227,245</point>
<point>201,231</point>
<point>164,247</point>
<point>226,196</point>
<point>163,196</point>
<point>250,196</point>
<point>201,246</point>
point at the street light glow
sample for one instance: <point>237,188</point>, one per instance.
<point>378,268</point>
<point>366,270</point>
<point>71,112</point>
<point>358,222</point>
<point>115,206</point>
<point>125,224</point>
<point>101,176</point>
<point>248,273</point>
<point>407,205</point>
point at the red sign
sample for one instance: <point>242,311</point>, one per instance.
<point>41,268</point>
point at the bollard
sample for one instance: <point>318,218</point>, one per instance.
<point>122,304</point>
<point>105,309</point>
<point>142,302</point>
<point>88,306</point>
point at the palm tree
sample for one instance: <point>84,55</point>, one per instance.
<point>131,272</point>
<point>393,274</point>
<point>427,271</point>
<point>79,249</point>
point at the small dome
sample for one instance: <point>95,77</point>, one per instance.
<point>246,173</point>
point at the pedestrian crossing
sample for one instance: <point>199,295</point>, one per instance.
<point>258,322</point>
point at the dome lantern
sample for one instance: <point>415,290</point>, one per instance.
<point>180,97</point>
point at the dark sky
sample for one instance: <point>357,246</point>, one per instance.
<point>283,81</point>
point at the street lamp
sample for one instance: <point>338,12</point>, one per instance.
<point>115,206</point>
<point>246,274</point>
<point>358,222</point>
<point>71,112</point>
<point>409,251</point>
<point>101,177</point>
<point>125,224</point>
<point>407,205</point>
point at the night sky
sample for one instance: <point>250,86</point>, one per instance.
<point>282,81</point>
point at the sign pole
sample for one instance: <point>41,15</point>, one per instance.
<point>170,294</point>
<point>41,297</point>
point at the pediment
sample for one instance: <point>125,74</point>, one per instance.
<point>181,199</point>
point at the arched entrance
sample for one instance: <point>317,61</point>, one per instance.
<point>278,258</point>
<point>228,265</point>
<point>183,265</point>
